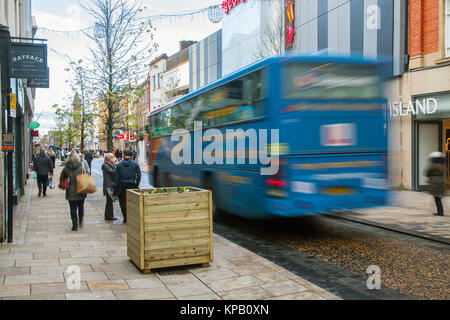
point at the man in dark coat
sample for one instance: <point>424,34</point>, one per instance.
<point>128,176</point>
<point>436,180</point>
<point>89,156</point>
<point>109,170</point>
<point>43,166</point>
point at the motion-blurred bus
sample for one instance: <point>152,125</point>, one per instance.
<point>332,145</point>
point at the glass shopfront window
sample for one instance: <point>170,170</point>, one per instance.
<point>431,133</point>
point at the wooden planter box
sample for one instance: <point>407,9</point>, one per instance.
<point>169,229</point>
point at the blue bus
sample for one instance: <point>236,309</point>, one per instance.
<point>332,137</point>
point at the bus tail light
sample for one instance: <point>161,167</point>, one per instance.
<point>277,184</point>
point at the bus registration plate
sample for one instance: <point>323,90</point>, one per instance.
<point>338,191</point>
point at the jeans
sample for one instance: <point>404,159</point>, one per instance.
<point>42,184</point>
<point>440,208</point>
<point>123,198</point>
<point>74,206</point>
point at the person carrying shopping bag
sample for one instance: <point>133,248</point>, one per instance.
<point>73,168</point>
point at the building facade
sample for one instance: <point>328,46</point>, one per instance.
<point>15,18</point>
<point>419,106</point>
<point>205,61</point>
<point>157,68</point>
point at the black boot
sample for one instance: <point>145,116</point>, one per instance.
<point>74,225</point>
<point>81,222</point>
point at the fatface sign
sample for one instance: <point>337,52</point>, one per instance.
<point>28,61</point>
<point>424,106</point>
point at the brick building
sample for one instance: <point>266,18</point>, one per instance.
<point>420,99</point>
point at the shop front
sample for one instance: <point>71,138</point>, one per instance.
<point>431,132</point>
<point>419,113</point>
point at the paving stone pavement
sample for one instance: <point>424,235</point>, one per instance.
<point>410,212</point>
<point>35,266</point>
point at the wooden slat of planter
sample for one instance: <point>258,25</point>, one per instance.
<point>176,253</point>
<point>176,243</point>
<point>133,196</point>
<point>165,220</point>
<point>177,226</point>
<point>176,235</point>
<point>185,214</point>
<point>167,200</point>
<point>210,203</point>
<point>176,262</point>
<point>176,207</point>
<point>177,198</point>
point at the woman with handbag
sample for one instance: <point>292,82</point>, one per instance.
<point>72,169</point>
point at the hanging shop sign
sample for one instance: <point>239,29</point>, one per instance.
<point>230,4</point>
<point>8,142</point>
<point>12,105</point>
<point>289,24</point>
<point>424,106</point>
<point>34,125</point>
<point>28,60</point>
<point>39,83</point>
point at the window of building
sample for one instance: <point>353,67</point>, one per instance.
<point>447,28</point>
<point>154,83</point>
<point>159,80</point>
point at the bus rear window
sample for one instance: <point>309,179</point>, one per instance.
<point>330,82</point>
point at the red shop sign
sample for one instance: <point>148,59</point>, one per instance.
<point>230,4</point>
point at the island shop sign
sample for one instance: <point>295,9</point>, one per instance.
<point>230,4</point>
<point>424,106</point>
<point>28,60</point>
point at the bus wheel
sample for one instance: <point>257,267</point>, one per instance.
<point>217,214</point>
<point>156,183</point>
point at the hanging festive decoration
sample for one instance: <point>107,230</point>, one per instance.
<point>290,24</point>
<point>213,13</point>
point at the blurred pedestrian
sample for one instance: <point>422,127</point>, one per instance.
<point>43,166</point>
<point>109,170</point>
<point>89,156</point>
<point>72,169</point>
<point>436,180</point>
<point>128,176</point>
<point>134,154</point>
<point>52,156</point>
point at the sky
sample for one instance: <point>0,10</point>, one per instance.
<point>65,16</point>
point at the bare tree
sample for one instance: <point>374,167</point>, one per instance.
<point>123,47</point>
<point>273,41</point>
<point>171,89</point>
<point>83,109</point>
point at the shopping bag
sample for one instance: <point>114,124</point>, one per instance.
<point>113,197</point>
<point>85,183</point>
<point>35,175</point>
<point>50,183</point>
<point>64,185</point>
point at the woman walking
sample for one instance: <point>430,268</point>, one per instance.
<point>72,169</point>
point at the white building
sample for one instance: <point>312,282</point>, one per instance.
<point>158,66</point>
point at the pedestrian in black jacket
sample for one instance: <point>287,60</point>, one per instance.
<point>109,170</point>
<point>89,156</point>
<point>128,176</point>
<point>43,166</point>
<point>436,180</point>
